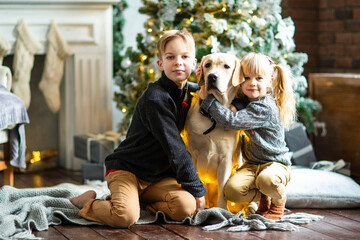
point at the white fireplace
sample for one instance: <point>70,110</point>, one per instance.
<point>86,92</point>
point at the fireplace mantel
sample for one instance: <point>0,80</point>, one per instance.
<point>86,89</point>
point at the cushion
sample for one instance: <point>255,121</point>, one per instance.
<point>310,188</point>
<point>299,144</point>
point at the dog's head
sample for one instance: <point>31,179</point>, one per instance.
<point>220,75</point>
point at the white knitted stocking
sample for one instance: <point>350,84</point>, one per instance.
<point>4,47</point>
<point>58,50</point>
<point>25,49</point>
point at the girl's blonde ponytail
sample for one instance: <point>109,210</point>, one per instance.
<point>284,95</point>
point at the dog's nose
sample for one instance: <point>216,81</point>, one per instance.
<point>212,79</point>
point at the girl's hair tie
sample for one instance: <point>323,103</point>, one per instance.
<point>270,61</point>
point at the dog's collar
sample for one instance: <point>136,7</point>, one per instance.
<point>205,114</point>
<point>211,128</point>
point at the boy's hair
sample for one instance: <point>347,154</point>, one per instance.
<point>257,63</point>
<point>171,35</point>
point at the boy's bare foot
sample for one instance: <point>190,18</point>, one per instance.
<point>81,200</point>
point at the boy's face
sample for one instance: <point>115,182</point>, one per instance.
<point>178,61</point>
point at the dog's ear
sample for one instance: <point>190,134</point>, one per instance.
<point>236,77</point>
<point>201,76</point>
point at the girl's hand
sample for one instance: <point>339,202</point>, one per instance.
<point>233,108</point>
<point>200,203</point>
<point>198,72</point>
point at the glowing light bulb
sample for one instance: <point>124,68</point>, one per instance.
<point>178,9</point>
<point>124,110</point>
<point>149,30</point>
<point>36,157</point>
<point>143,57</point>
<point>208,42</point>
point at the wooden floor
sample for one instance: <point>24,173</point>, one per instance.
<point>337,224</point>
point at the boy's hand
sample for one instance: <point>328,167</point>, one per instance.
<point>200,203</point>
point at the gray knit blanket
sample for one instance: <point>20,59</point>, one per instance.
<point>25,210</point>
<point>13,112</point>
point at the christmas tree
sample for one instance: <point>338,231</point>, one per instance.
<point>118,37</point>
<point>234,26</point>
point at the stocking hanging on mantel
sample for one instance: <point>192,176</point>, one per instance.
<point>4,47</point>
<point>25,49</point>
<point>58,50</point>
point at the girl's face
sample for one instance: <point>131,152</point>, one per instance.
<point>178,61</point>
<point>255,85</point>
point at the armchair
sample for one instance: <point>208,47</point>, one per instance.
<point>13,116</point>
<point>5,80</point>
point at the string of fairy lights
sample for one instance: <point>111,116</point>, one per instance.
<point>234,26</point>
<point>222,8</point>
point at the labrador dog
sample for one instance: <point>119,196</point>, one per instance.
<point>215,150</point>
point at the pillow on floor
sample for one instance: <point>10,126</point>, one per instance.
<point>310,188</point>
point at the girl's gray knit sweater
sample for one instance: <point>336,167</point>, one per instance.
<point>264,139</point>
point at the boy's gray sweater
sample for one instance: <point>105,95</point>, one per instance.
<point>264,139</point>
<point>153,148</point>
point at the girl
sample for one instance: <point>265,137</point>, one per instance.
<point>270,106</point>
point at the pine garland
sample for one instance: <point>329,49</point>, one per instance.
<point>235,26</point>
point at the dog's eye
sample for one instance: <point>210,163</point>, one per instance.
<point>226,66</point>
<point>207,65</point>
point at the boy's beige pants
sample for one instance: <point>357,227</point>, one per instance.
<point>122,208</point>
<point>250,180</point>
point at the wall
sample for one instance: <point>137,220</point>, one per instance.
<point>329,32</point>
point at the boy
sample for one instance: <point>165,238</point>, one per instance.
<point>152,165</point>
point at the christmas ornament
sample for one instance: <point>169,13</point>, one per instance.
<point>125,63</point>
<point>243,40</point>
